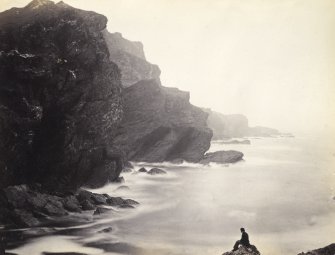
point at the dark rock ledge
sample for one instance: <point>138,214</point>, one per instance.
<point>24,206</point>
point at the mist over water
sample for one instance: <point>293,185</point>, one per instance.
<point>282,194</point>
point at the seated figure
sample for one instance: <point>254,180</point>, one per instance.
<point>244,240</point>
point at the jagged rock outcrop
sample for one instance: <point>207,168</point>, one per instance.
<point>328,250</point>
<point>160,124</point>
<point>130,58</point>
<point>60,97</point>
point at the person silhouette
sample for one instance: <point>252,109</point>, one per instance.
<point>243,241</point>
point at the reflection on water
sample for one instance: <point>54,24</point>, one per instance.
<point>282,194</point>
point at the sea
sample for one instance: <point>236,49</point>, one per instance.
<point>282,193</point>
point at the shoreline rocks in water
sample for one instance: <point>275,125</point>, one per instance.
<point>222,157</point>
<point>24,206</point>
<point>155,171</point>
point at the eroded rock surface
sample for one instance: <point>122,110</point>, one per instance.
<point>60,97</point>
<point>24,206</point>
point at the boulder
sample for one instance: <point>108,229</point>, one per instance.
<point>106,230</point>
<point>142,170</point>
<point>242,250</point>
<point>222,157</point>
<point>155,171</point>
<point>120,202</point>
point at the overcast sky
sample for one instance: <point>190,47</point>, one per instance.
<point>272,60</point>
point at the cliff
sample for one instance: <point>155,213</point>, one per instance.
<point>60,98</point>
<point>159,123</point>
<point>235,125</point>
<point>226,126</point>
<point>130,58</point>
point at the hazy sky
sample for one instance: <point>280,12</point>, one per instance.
<point>272,60</point>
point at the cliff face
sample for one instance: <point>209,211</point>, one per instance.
<point>235,125</point>
<point>226,126</point>
<point>130,58</point>
<point>159,123</point>
<point>60,97</point>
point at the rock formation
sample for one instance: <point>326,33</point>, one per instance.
<point>159,123</point>
<point>227,126</point>
<point>60,97</point>
<point>222,157</point>
<point>235,125</point>
<point>130,58</point>
<point>24,206</point>
<point>328,250</point>
<point>242,250</point>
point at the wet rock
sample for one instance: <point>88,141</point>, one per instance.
<point>120,179</point>
<point>101,210</point>
<point>155,171</point>
<point>132,202</point>
<point>142,170</point>
<point>328,250</point>
<point>71,204</point>
<point>106,230</point>
<point>96,199</point>
<point>120,202</point>
<point>242,250</point>
<point>86,205</point>
<point>222,157</point>
<point>24,218</point>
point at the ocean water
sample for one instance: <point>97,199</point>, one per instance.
<point>282,194</point>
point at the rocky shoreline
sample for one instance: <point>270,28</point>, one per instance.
<point>76,104</point>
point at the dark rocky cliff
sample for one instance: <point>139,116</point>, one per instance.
<point>60,97</point>
<point>159,123</point>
